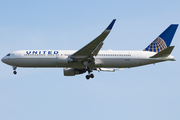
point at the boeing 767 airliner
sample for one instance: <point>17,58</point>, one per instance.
<point>90,57</point>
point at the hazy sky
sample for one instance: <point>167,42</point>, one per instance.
<point>144,93</point>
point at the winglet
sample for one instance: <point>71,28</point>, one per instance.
<point>111,25</point>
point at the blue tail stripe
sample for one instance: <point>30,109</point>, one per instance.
<point>168,34</point>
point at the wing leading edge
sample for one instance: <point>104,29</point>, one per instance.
<point>94,46</point>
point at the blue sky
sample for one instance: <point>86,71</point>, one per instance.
<point>150,92</point>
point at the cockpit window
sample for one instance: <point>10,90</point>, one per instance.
<point>8,54</point>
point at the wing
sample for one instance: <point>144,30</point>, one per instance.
<point>94,46</point>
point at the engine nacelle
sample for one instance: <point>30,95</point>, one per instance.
<point>73,71</point>
<point>65,60</point>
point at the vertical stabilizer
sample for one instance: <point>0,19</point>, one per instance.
<point>163,40</point>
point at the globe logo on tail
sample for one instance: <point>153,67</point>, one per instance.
<point>157,45</point>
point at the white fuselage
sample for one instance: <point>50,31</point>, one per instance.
<point>59,58</point>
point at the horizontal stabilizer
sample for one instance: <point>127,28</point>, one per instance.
<point>164,53</point>
<point>121,69</point>
<point>105,69</point>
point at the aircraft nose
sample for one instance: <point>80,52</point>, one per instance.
<point>4,59</point>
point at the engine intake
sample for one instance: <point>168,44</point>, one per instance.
<point>73,71</point>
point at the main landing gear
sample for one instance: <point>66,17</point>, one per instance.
<point>89,76</point>
<point>14,68</point>
<point>89,73</point>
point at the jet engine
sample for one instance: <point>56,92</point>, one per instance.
<point>73,71</point>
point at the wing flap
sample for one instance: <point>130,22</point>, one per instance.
<point>96,50</point>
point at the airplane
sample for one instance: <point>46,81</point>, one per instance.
<point>90,57</point>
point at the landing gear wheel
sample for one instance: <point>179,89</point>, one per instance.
<point>87,77</point>
<point>91,75</point>
<point>15,72</point>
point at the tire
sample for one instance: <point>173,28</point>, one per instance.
<point>87,77</point>
<point>92,75</point>
<point>15,72</point>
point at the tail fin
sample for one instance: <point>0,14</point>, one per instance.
<point>163,40</point>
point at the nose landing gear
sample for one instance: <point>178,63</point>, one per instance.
<point>15,72</point>
<point>14,68</point>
